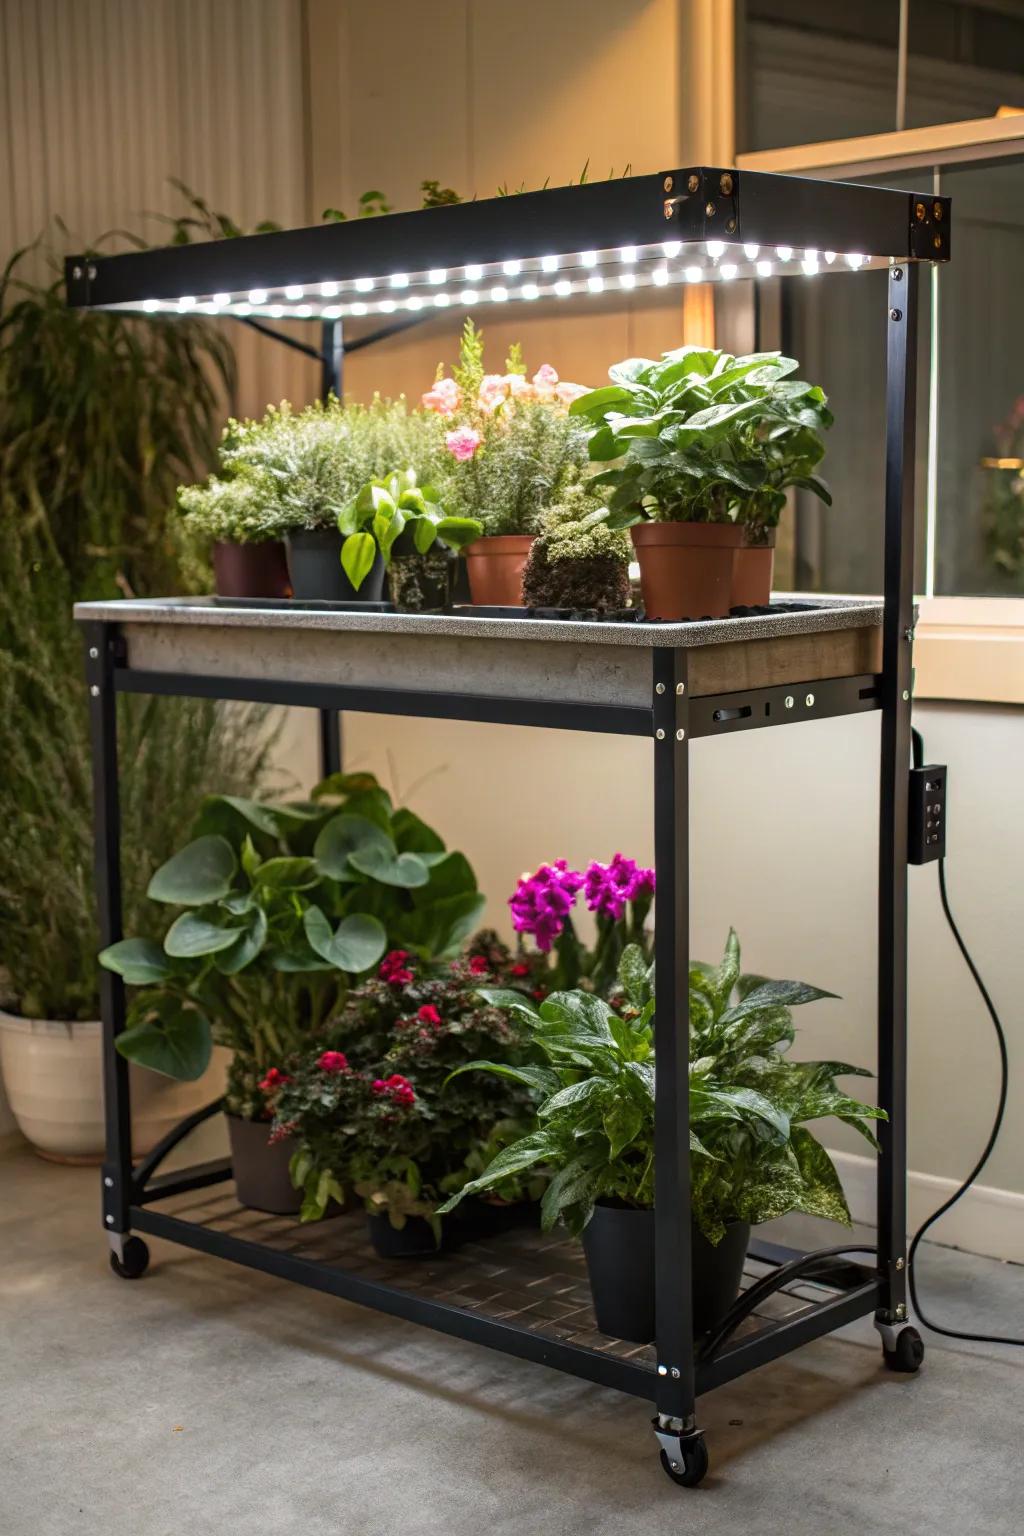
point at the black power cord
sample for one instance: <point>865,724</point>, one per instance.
<point>993,1136</point>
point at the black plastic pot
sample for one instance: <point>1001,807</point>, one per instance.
<point>619,1245</point>
<point>419,582</point>
<point>260,1168</point>
<point>314,563</point>
<point>475,1219</point>
<point>415,1240</point>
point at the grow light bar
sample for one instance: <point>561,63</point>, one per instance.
<point>593,241</point>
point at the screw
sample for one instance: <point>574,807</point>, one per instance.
<point>680,687</point>
<point>906,694</point>
<point>94,690</point>
<point>901,1311</point>
<point>908,634</point>
<point>897,274</point>
<point>709,209</point>
<point>899,1263</point>
<point>937,242</point>
<point>789,701</point>
<point>668,183</point>
<point>937,210</point>
<point>693,182</point>
<point>726,184</point>
<point>730,225</point>
<point>108,1183</point>
<point>675,1373</point>
<point>660,734</point>
<point>90,272</point>
<point>93,653</point>
<point>809,701</point>
<point>895,314</point>
<point>680,735</point>
<point>76,273</point>
<point>659,687</point>
<point>109,1220</point>
<point>668,209</point>
<point>662,1370</point>
<point>674,1465</point>
<point>919,212</point>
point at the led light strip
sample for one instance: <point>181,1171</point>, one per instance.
<point>517,279</point>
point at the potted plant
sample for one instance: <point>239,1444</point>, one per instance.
<point>365,1107</point>
<point>395,516</point>
<point>229,515</point>
<point>311,464</point>
<point>705,445</point>
<point>752,1158</point>
<point>619,894</point>
<point>280,906</point>
<point>513,450</point>
<point>576,560</point>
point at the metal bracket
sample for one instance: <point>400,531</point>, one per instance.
<point>669,1432</point>
<point>703,201</point>
<point>720,713</point>
<point>930,227</point>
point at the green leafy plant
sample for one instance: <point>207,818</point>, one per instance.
<point>101,414</point>
<point>376,517</point>
<point>576,560</point>
<point>367,1105</point>
<point>281,904</point>
<point>232,510</point>
<point>752,1157</point>
<point>703,436</point>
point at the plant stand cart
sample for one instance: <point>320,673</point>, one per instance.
<point>673,683</point>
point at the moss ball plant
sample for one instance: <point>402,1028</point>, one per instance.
<point>577,561</point>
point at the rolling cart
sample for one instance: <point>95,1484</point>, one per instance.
<point>801,660</point>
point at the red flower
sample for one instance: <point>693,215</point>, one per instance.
<point>281,1133</point>
<point>396,1088</point>
<point>479,966</point>
<point>428,1014</point>
<point>520,969</point>
<point>394,969</point>
<point>333,1061</point>
<point>540,993</point>
<point>275,1078</point>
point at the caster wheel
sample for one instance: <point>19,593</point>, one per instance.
<point>135,1262</point>
<point>908,1354</point>
<point>689,1467</point>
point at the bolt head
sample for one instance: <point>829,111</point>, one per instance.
<point>668,209</point>
<point>680,687</point>
<point>899,1263</point>
<point>895,314</point>
<point>662,1370</point>
<point>109,1220</point>
<point>936,210</point>
<point>937,242</point>
<point>668,183</point>
<point>660,734</point>
<point>709,209</point>
<point>674,1465</point>
<point>906,694</point>
<point>680,735</point>
<point>692,182</point>
<point>726,184</point>
<point>675,1373</point>
<point>659,687</point>
<point>919,212</point>
<point>94,690</point>
<point>730,225</point>
<point>94,654</point>
<point>789,701</point>
<point>108,1183</point>
<point>901,1311</point>
<point>809,701</point>
<point>90,272</point>
<point>76,273</point>
<point>897,274</point>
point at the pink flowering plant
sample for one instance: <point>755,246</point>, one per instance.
<point>367,1106</point>
<point>513,448</point>
<point>619,894</point>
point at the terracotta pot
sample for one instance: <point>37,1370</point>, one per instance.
<point>495,567</point>
<point>53,1074</point>
<point>262,1180</point>
<point>752,567</point>
<point>314,563</point>
<point>686,568</point>
<point>251,570</point>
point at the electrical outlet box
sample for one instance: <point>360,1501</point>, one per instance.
<point>927,831</point>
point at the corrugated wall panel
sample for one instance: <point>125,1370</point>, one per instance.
<point>102,100</point>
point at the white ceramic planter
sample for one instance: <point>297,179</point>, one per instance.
<point>53,1076</point>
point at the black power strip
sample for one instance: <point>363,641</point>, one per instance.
<point>927,829</point>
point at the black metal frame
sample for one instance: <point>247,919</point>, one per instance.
<point>769,209</point>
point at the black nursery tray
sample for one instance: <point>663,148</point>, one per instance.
<point>305,604</point>
<point>484,611</point>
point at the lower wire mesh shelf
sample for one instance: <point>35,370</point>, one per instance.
<point>524,1280</point>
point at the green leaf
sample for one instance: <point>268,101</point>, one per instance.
<point>511,1001</point>
<point>405,870</point>
<point>525,1153</point>
<point>139,961</point>
<point>822,1193</point>
<point>192,935</point>
<point>608,397</point>
<point>633,974</point>
<point>574,1184</point>
<point>579,1015</point>
<point>246,947</point>
<point>202,871</point>
<point>623,1122</point>
<point>293,874</point>
<point>357,556</point>
<point>458,532</point>
<point>413,835</point>
<point>775,994</point>
<point>356,945</point>
<point>344,835</point>
<point>572,1095</point>
<point>175,1041</point>
<point>543,1080</point>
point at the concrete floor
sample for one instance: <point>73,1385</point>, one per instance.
<point>207,1398</point>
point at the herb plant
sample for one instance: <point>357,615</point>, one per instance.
<point>752,1157</point>
<point>279,906</point>
<point>703,436</point>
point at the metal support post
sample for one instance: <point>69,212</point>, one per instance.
<point>675,1390</point>
<point>332,351</point>
<point>896,684</point>
<point>101,641</point>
